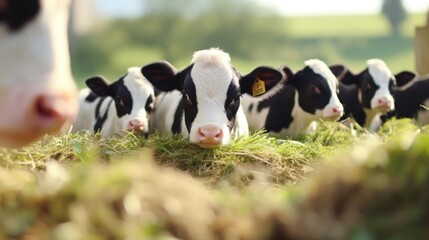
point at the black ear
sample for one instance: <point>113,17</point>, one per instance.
<point>162,75</point>
<point>260,81</point>
<point>404,77</point>
<point>99,85</point>
<point>287,71</point>
<point>16,13</point>
<point>338,70</point>
<point>344,75</point>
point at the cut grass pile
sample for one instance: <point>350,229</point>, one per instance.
<point>335,183</point>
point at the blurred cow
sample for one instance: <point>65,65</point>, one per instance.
<point>203,102</point>
<point>114,108</point>
<point>368,94</point>
<point>305,97</point>
<point>37,92</point>
<point>411,95</point>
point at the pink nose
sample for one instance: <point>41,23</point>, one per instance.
<point>51,112</point>
<point>337,111</point>
<point>384,102</point>
<point>136,125</point>
<point>210,136</point>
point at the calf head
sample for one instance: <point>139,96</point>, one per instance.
<point>376,84</point>
<point>211,90</point>
<point>317,89</point>
<point>37,92</point>
<point>133,96</point>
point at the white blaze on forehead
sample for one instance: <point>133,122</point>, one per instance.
<point>322,69</point>
<point>211,74</point>
<point>140,89</point>
<point>379,71</point>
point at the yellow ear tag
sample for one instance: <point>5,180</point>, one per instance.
<point>258,87</point>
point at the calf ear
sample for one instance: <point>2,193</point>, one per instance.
<point>338,70</point>
<point>260,81</point>
<point>99,85</point>
<point>404,77</point>
<point>287,71</point>
<point>162,75</point>
<point>344,74</point>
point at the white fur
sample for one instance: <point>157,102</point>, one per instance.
<point>302,122</point>
<point>381,75</point>
<point>140,90</point>
<point>35,62</point>
<point>211,74</point>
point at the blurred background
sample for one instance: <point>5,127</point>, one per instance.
<point>108,36</point>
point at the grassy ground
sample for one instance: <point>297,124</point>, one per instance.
<point>335,183</point>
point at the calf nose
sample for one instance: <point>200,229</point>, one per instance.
<point>136,125</point>
<point>337,111</point>
<point>51,112</point>
<point>384,102</point>
<point>210,136</point>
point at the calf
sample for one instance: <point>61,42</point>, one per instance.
<point>37,92</point>
<point>114,108</point>
<point>411,94</point>
<point>306,96</point>
<point>203,102</point>
<point>367,95</point>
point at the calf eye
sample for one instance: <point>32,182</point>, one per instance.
<point>234,103</point>
<point>120,101</point>
<point>368,85</point>
<point>186,101</point>
<point>315,90</point>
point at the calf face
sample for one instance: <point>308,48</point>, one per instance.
<point>372,92</point>
<point>37,92</point>
<point>317,90</point>
<point>375,84</point>
<point>132,97</point>
<point>210,93</point>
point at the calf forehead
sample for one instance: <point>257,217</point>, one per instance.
<point>319,67</point>
<point>212,74</point>
<point>379,72</point>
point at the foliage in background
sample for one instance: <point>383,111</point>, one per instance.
<point>394,12</point>
<point>252,34</point>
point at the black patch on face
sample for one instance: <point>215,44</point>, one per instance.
<point>367,88</point>
<point>250,107</point>
<point>17,13</point>
<point>91,97</point>
<point>313,89</point>
<point>232,102</point>
<point>176,128</point>
<point>122,97</point>
<point>348,96</point>
<point>100,120</point>
<point>148,105</point>
<point>189,99</point>
<point>280,108</point>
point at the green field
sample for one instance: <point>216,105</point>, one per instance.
<point>350,40</point>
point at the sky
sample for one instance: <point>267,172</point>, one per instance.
<point>132,8</point>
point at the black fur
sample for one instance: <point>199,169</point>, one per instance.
<point>18,13</point>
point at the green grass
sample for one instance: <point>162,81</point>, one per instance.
<point>337,182</point>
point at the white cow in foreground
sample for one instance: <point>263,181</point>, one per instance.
<point>37,91</point>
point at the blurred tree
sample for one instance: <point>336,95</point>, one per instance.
<point>394,12</point>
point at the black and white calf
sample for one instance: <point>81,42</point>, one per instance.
<point>368,94</point>
<point>37,91</point>
<point>411,94</point>
<point>114,108</point>
<point>203,100</point>
<point>305,97</point>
